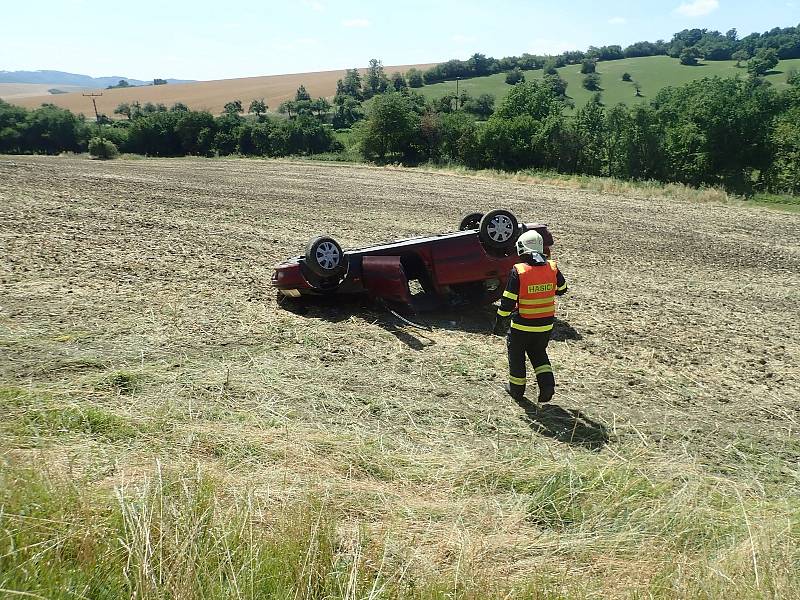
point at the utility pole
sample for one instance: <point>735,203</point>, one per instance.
<point>94,103</point>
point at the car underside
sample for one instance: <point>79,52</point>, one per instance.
<point>416,274</point>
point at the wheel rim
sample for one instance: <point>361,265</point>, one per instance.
<point>500,229</point>
<point>328,256</point>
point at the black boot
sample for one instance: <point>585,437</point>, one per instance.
<point>517,393</point>
<point>546,394</point>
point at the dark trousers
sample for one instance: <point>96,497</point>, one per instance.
<point>534,346</point>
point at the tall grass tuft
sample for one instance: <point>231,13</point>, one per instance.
<point>179,536</point>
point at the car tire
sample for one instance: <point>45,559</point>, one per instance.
<point>499,230</point>
<point>470,221</point>
<point>324,257</point>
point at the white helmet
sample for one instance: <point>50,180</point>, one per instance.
<point>530,242</point>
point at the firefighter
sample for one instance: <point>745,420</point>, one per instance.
<point>532,287</point>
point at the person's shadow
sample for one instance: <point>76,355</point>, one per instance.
<point>569,426</point>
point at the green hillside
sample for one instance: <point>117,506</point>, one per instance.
<point>652,73</point>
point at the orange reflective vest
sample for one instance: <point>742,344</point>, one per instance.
<point>537,290</point>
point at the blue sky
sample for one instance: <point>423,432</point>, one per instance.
<point>217,40</point>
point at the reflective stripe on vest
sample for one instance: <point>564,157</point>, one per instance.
<point>537,290</point>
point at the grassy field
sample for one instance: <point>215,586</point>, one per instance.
<point>652,73</point>
<point>170,428</point>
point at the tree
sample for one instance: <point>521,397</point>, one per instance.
<point>350,85</point>
<point>258,108</point>
<point>785,173</point>
<point>179,107</point>
<point>717,131</point>
<point>638,89</point>
<point>321,106</point>
<point>588,66</point>
<point>793,77</point>
<point>592,82</point>
<point>301,94</point>
<point>303,135</point>
<point>482,106</point>
<point>375,81</point>
<point>399,82</point>
<point>391,127</point>
<point>446,104</point>
<point>589,123</point>
<point>287,107</point>
<point>195,131</point>
<point>347,111</point>
<point>234,107</point>
<point>479,65</point>
<point>764,61</point>
<point>414,78</point>
<point>689,56</point>
<point>740,56</point>
<point>515,76</point>
<point>155,134</point>
<point>149,108</point>
<point>557,84</point>
<point>535,99</point>
<point>123,109</point>
<point>102,149</point>
<point>160,82</point>
<point>626,77</point>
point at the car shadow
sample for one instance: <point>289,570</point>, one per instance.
<point>470,318</point>
<point>569,426</point>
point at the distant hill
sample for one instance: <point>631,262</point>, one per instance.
<point>71,79</point>
<point>204,95</point>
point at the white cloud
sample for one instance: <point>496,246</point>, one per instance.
<point>463,39</point>
<point>355,23</point>
<point>697,8</point>
<point>617,21</point>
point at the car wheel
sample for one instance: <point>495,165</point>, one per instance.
<point>499,230</point>
<point>470,221</point>
<point>324,256</point>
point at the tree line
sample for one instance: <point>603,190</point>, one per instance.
<point>155,130</point>
<point>737,133</point>
<point>689,45</point>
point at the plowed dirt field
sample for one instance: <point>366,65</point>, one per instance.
<point>677,351</point>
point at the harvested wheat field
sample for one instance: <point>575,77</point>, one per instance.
<point>169,428</point>
<point>12,92</point>
<point>204,95</point>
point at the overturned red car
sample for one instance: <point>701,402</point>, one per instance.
<point>421,273</point>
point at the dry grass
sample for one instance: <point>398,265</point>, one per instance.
<point>11,92</point>
<point>138,328</point>
<point>204,95</point>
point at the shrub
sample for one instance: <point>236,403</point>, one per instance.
<point>102,149</point>
<point>764,61</point>
<point>626,77</point>
<point>514,77</point>
<point>592,82</point>
<point>689,56</point>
